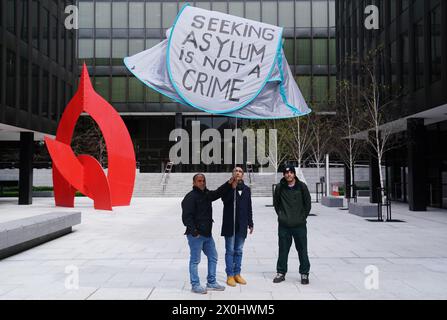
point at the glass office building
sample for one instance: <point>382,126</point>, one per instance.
<point>111,30</point>
<point>412,64</point>
<point>37,79</point>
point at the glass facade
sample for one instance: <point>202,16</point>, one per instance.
<point>112,30</point>
<point>37,72</point>
<point>411,67</point>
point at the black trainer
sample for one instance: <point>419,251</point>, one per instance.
<point>280,277</point>
<point>305,278</point>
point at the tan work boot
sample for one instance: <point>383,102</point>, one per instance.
<point>230,281</point>
<point>239,279</point>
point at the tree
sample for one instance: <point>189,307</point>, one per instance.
<point>349,113</point>
<point>299,138</point>
<point>88,139</point>
<point>277,146</point>
<point>321,131</point>
<point>374,95</point>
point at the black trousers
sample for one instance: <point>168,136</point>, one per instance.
<point>299,235</point>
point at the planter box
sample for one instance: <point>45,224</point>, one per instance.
<point>43,194</point>
<point>363,209</point>
<point>332,202</point>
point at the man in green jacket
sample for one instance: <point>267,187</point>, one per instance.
<point>292,204</point>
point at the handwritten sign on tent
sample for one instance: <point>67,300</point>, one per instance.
<point>219,62</point>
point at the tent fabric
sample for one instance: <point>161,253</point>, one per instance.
<point>269,93</point>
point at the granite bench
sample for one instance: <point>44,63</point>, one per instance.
<point>363,209</point>
<point>332,202</point>
<point>23,234</point>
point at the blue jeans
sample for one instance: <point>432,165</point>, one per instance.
<point>233,254</point>
<point>196,245</point>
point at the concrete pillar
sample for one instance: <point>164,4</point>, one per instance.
<point>26,167</point>
<point>417,187</point>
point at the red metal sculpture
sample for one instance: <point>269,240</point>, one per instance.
<point>83,172</point>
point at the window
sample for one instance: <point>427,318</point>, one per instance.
<point>153,15</point>
<point>303,51</point>
<point>152,95</point>
<point>11,16</point>
<point>204,5</point>
<point>419,54</point>
<point>35,90</point>
<point>393,11</point>
<point>119,51</point>
<point>286,18</point>
<point>151,43</point>
<point>332,52</point>
<point>86,51</point>
<point>332,88</point>
<point>45,31</point>
<point>220,6</point>
<point>394,75</point>
<point>11,78</point>
<point>320,88</point>
<point>302,14</point>
<point>102,86</point>
<point>319,54</point>
<point>63,45</point>
<point>269,12</point>
<point>119,15</point>
<point>331,13</point>
<point>135,46</point>
<point>45,93</point>
<point>54,95</point>
<point>136,14</point>
<point>35,23</point>
<point>62,99</point>
<point>86,15</point>
<point>54,43</point>
<point>435,39</point>
<point>24,26</point>
<point>69,54</point>
<point>404,5</point>
<point>404,53</point>
<point>253,10</point>
<point>169,13</point>
<point>118,89</point>
<point>304,83</point>
<point>103,15</point>
<point>236,8</point>
<point>102,52</point>
<point>136,90</point>
<point>288,50</point>
<point>319,14</point>
<point>24,84</point>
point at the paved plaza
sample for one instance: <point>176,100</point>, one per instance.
<point>140,252</point>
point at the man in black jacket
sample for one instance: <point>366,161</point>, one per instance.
<point>197,216</point>
<point>292,204</point>
<point>235,233</point>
